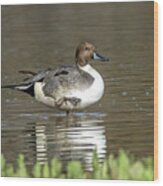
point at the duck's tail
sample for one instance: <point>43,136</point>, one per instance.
<point>28,88</point>
<point>27,85</point>
<point>17,86</point>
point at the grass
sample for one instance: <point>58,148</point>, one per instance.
<point>123,166</point>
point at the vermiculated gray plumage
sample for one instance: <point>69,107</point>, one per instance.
<point>64,79</point>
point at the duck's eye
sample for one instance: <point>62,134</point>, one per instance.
<point>86,48</point>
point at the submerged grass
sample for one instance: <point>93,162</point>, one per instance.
<point>121,167</point>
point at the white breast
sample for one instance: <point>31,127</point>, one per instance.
<point>94,92</point>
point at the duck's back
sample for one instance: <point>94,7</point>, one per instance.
<point>65,80</point>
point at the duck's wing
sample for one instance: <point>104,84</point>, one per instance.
<point>66,79</point>
<point>35,77</point>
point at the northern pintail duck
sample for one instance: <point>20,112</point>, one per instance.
<point>69,87</point>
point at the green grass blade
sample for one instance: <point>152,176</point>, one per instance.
<point>3,166</point>
<point>21,170</point>
<point>37,170</point>
<point>123,165</point>
<point>56,168</point>
<point>74,170</point>
<point>46,171</point>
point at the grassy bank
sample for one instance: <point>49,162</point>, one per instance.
<point>121,167</point>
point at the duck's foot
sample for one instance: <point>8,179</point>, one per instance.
<point>73,100</point>
<point>68,104</point>
<point>65,101</point>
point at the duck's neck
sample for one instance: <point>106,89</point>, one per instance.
<point>81,62</point>
<point>86,68</point>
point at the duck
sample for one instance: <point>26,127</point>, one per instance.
<point>68,87</point>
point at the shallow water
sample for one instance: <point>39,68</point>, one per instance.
<point>41,36</point>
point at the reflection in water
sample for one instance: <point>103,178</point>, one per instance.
<point>71,138</point>
<point>41,143</point>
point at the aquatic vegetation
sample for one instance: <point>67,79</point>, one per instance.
<point>122,166</point>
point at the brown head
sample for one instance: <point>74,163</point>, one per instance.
<point>86,52</point>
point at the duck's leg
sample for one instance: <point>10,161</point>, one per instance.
<point>74,101</point>
<point>68,112</point>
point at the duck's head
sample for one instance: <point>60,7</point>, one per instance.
<point>86,52</point>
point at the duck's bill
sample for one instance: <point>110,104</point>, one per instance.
<point>98,57</point>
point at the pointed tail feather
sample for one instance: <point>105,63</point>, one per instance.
<point>27,88</point>
<point>28,84</point>
<point>18,87</point>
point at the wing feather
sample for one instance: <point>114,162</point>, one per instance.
<point>65,80</point>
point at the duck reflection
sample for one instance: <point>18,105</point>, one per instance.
<point>71,138</point>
